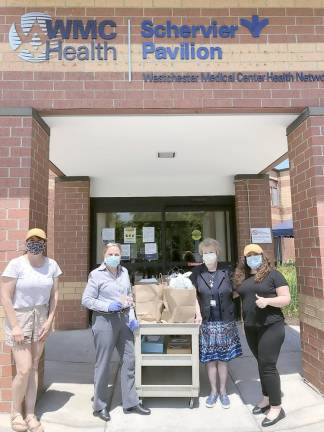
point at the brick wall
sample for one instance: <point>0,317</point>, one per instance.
<point>23,187</point>
<point>24,145</point>
<point>313,355</point>
<point>288,249</point>
<point>50,220</point>
<point>287,244</point>
<point>253,209</point>
<point>306,155</point>
<point>76,4</point>
<point>293,41</point>
<point>281,213</point>
<point>281,180</point>
<point>285,195</point>
<point>275,209</point>
<point>71,248</point>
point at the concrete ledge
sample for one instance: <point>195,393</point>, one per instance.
<point>25,112</point>
<point>251,177</point>
<point>71,178</point>
<point>308,112</point>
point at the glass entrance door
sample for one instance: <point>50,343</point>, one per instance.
<point>157,235</point>
<point>140,234</point>
<point>185,230</point>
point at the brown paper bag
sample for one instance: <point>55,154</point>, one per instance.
<point>179,304</point>
<point>148,302</point>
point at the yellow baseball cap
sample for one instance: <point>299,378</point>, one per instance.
<point>37,232</point>
<point>253,248</point>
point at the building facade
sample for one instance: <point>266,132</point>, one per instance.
<point>72,65</point>
<point>281,213</point>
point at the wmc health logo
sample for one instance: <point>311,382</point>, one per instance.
<point>30,37</point>
<point>38,38</point>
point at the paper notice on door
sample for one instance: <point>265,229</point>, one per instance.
<point>148,234</point>
<point>125,252</point>
<point>151,252</point>
<point>108,235</point>
<point>129,235</point>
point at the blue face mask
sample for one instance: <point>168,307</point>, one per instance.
<point>112,260</point>
<point>254,261</point>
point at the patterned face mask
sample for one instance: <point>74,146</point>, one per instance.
<point>35,247</point>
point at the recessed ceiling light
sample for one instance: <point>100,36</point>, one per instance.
<point>166,155</point>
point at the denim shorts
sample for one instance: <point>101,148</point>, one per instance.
<point>30,320</point>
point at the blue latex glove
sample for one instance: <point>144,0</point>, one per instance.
<point>133,325</point>
<point>115,306</point>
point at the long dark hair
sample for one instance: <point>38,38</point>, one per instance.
<point>243,271</point>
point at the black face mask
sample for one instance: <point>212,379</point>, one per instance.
<point>35,247</point>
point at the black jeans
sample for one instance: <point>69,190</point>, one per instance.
<point>265,343</point>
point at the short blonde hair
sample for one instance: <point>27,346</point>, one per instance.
<point>210,242</point>
<point>111,244</point>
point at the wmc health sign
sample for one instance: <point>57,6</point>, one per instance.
<point>39,38</point>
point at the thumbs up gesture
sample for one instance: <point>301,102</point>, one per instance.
<point>261,302</point>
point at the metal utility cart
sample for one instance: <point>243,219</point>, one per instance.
<point>164,388</point>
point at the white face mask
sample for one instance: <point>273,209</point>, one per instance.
<point>209,258</point>
<point>254,261</point>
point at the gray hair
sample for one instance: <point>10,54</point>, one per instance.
<point>210,242</point>
<point>111,244</point>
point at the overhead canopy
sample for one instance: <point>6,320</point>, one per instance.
<point>283,229</point>
<point>119,153</point>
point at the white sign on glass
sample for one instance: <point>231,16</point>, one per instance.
<point>125,252</point>
<point>151,251</point>
<point>148,234</point>
<point>108,234</point>
<point>261,235</point>
<point>129,235</point>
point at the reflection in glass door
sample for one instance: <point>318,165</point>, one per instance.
<point>185,230</point>
<point>136,256</point>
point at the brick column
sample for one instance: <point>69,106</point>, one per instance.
<point>253,209</point>
<point>71,248</point>
<point>50,221</point>
<point>306,155</point>
<point>24,147</point>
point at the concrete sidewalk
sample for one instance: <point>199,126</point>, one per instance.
<point>66,404</point>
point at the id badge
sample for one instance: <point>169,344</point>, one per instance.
<point>213,303</point>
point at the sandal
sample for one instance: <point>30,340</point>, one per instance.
<point>34,425</point>
<point>18,424</point>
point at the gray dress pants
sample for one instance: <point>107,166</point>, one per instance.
<point>111,331</point>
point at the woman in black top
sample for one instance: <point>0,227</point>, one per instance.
<point>264,291</point>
